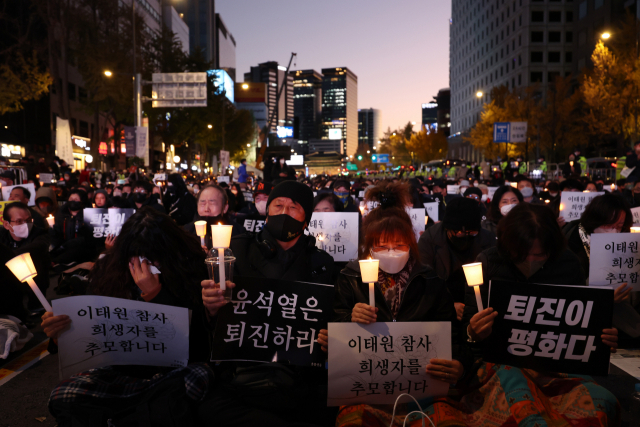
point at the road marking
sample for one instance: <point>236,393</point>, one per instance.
<point>24,362</point>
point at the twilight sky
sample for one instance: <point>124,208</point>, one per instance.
<point>398,49</point>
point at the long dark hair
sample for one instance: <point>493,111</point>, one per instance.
<point>158,238</point>
<point>494,213</point>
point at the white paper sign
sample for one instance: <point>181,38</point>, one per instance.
<point>432,210</point>
<point>223,178</point>
<point>112,331</point>
<point>635,212</point>
<point>338,232</point>
<point>361,194</point>
<point>6,192</point>
<point>453,189</point>
<point>375,363</point>
<point>64,146</point>
<point>615,260</point>
<point>417,221</point>
<point>46,178</point>
<point>573,204</point>
<point>492,191</point>
<point>142,143</point>
<point>160,177</point>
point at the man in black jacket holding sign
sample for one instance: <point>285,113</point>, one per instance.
<point>272,394</point>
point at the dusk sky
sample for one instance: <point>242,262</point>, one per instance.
<point>398,49</point>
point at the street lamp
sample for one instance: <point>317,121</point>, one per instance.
<point>479,94</point>
<point>606,35</point>
<point>108,73</point>
<point>245,86</point>
<point>210,126</point>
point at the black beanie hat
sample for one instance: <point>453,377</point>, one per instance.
<point>462,212</point>
<point>296,191</point>
<point>473,190</point>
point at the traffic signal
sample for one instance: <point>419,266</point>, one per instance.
<point>373,158</point>
<point>359,156</point>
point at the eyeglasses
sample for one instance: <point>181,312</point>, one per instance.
<point>462,233</point>
<point>382,249</point>
<point>22,221</point>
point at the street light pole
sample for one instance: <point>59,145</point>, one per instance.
<point>137,78</point>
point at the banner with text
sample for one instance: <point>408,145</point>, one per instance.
<point>106,221</point>
<point>635,212</point>
<point>417,221</point>
<point>64,146</point>
<point>614,260</point>
<point>338,232</point>
<point>550,328</point>
<point>271,320</point>
<point>112,331</point>
<point>375,363</point>
<point>432,210</point>
<point>573,204</point>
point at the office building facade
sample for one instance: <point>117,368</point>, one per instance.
<point>307,105</point>
<point>369,126</point>
<point>273,75</point>
<point>340,107</point>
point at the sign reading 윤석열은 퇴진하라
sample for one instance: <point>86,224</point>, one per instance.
<point>112,331</point>
<point>338,232</point>
<point>550,328</point>
<point>376,363</point>
<point>272,320</point>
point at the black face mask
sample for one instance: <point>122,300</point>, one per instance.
<point>171,190</point>
<point>461,244</point>
<point>437,196</point>
<point>284,228</point>
<point>140,197</point>
<point>75,206</point>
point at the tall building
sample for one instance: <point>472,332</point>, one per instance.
<point>443,99</point>
<point>512,43</point>
<point>369,126</point>
<point>307,105</point>
<point>340,107</point>
<point>273,75</point>
<point>225,49</point>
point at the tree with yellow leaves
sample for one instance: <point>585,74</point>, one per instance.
<point>427,145</point>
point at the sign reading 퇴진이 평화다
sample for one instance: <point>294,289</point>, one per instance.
<point>614,260</point>
<point>550,328</point>
<point>417,221</point>
<point>271,320</point>
<point>375,363</point>
<point>635,212</point>
<point>112,331</point>
<point>338,232</point>
<point>573,204</point>
<point>432,210</point>
<point>106,222</point>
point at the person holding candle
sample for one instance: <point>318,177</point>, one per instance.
<point>406,291</point>
<point>46,201</point>
<point>71,239</point>
<point>280,251</point>
<point>101,199</point>
<point>572,168</point>
<point>504,199</point>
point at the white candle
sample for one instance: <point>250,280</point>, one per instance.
<point>635,229</point>
<point>426,220</point>
<point>221,239</point>
<point>51,220</point>
<point>372,295</point>
<point>22,267</point>
<point>223,280</point>
<point>201,230</point>
<point>319,240</point>
<point>473,273</point>
<point>369,273</point>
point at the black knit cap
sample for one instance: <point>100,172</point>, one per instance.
<point>296,191</point>
<point>462,213</point>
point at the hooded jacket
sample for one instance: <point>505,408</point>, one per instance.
<point>46,192</point>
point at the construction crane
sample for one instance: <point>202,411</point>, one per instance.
<point>263,148</point>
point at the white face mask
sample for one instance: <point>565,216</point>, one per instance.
<point>605,229</point>
<point>261,207</point>
<point>485,197</point>
<point>527,192</point>
<point>475,184</point>
<point>21,231</point>
<point>553,194</point>
<point>507,208</point>
<point>392,261</point>
<point>282,162</point>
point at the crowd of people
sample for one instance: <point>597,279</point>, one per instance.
<point>515,231</point>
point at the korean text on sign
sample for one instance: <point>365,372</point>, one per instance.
<point>573,204</point>
<point>550,327</point>
<point>273,320</point>
<point>376,363</point>
<point>614,260</point>
<point>338,232</point>
<point>112,331</point>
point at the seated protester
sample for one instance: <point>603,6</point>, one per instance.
<point>504,199</point>
<point>591,187</point>
<point>46,202</point>
<point>407,291</point>
<point>101,199</point>
<point>455,241</point>
<point>439,190</point>
<point>288,394</point>
<point>528,190</point>
<point>475,193</point>
<point>177,201</point>
<point>256,210</point>
<point>21,235</point>
<point>142,196</point>
<point>341,189</point>
<point>530,249</point>
<point>22,195</point>
<point>157,193</point>
<point>71,239</point>
<point>213,208</point>
<point>239,197</point>
<point>121,274</point>
<point>327,202</point>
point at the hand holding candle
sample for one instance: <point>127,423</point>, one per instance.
<point>221,239</point>
<point>473,273</point>
<point>22,267</point>
<point>369,273</point>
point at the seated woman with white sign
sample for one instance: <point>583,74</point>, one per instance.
<point>152,260</point>
<point>530,250</point>
<point>407,291</point>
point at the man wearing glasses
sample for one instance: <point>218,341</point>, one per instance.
<point>455,241</point>
<point>20,235</point>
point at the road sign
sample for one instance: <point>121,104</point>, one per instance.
<point>509,132</point>
<point>179,90</point>
<point>380,158</point>
<point>351,167</point>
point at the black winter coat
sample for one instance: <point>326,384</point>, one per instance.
<point>182,209</point>
<point>37,244</point>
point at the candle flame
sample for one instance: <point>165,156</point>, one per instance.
<point>219,223</point>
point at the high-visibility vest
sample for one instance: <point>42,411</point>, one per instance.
<point>620,165</point>
<point>543,166</point>
<point>504,165</point>
<point>582,161</point>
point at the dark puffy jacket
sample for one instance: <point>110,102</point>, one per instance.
<point>426,299</point>
<point>68,227</point>
<point>37,244</point>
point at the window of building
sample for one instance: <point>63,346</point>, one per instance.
<point>82,95</point>
<point>71,88</point>
<point>519,60</point>
<point>537,16</point>
<point>519,40</point>
<point>84,129</point>
<point>582,10</point>
<point>555,16</point>
<point>568,57</point>
<point>537,36</point>
<point>568,16</point>
<point>536,57</point>
<point>551,77</point>
<point>568,37</point>
<point>553,56</point>
<point>74,126</point>
<point>555,36</point>
<point>519,79</point>
<point>536,77</point>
